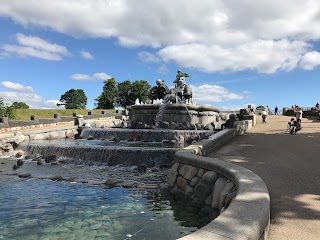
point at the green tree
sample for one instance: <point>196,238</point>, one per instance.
<point>128,92</point>
<point>140,89</point>
<point>6,111</point>
<point>124,94</point>
<point>106,99</point>
<point>19,105</point>
<point>74,99</point>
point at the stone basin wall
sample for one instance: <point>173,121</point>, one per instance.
<point>202,185</point>
<point>177,115</point>
<point>240,196</point>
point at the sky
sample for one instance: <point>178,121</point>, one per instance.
<point>237,52</point>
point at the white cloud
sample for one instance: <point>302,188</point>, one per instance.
<point>39,43</point>
<point>50,104</point>
<point>35,47</point>
<point>86,55</point>
<point>310,60</point>
<point>102,76</point>
<point>33,100</point>
<point>235,107</point>
<point>148,57</point>
<point>82,77</point>
<point>262,56</point>
<point>30,52</point>
<point>85,77</point>
<point>212,94</point>
<point>208,35</point>
<point>16,86</point>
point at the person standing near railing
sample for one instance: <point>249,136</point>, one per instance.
<point>298,112</point>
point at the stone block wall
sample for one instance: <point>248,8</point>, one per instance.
<point>239,195</point>
<point>202,185</point>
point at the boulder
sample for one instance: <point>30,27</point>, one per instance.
<point>202,191</point>
<point>51,158</point>
<point>19,162</point>
<point>20,153</point>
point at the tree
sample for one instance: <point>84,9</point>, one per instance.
<point>128,92</point>
<point>106,99</point>
<point>124,94</point>
<point>5,110</point>
<point>19,105</point>
<point>74,99</point>
<point>140,89</point>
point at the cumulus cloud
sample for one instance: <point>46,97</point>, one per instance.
<point>16,86</point>
<point>30,46</point>
<point>310,60</point>
<point>210,35</point>
<point>235,107</point>
<point>148,57</point>
<point>95,76</point>
<point>213,94</point>
<point>20,97</point>
<point>255,55</point>
<point>33,100</point>
<point>26,94</point>
<point>86,55</point>
<point>82,77</point>
<point>102,76</point>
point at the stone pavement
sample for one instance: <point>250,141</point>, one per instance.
<point>27,131</point>
<point>290,167</point>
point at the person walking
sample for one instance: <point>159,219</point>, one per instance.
<point>276,110</point>
<point>264,114</point>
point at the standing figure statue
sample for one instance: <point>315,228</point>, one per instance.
<point>180,77</point>
<point>182,89</point>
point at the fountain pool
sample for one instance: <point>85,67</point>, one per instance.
<point>35,208</point>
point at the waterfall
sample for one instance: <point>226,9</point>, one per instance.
<point>160,113</point>
<point>108,155</point>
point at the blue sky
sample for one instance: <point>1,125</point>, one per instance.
<point>236,52</point>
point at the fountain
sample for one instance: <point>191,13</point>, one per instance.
<point>153,134</point>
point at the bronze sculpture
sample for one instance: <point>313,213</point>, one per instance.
<point>181,93</point>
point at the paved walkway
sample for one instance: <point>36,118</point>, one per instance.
<point>290,167</point>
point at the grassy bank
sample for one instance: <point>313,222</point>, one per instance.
<point>24,114</point>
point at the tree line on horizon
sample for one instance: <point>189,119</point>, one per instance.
<point>9,110</point>
<point>113,95</point>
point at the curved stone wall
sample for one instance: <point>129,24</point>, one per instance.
<point>247,216</point>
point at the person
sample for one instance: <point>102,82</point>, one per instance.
<point>294,126</point>
<point>276,110</point>
<point>298,112</point>
<point>264,115</point>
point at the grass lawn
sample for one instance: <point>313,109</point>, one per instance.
<point>24,114</point>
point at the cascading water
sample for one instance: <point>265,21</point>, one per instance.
<point>195,126</point>
<point>160,113</point>
<point>106,155</point>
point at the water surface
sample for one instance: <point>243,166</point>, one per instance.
<point>45,209</point>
